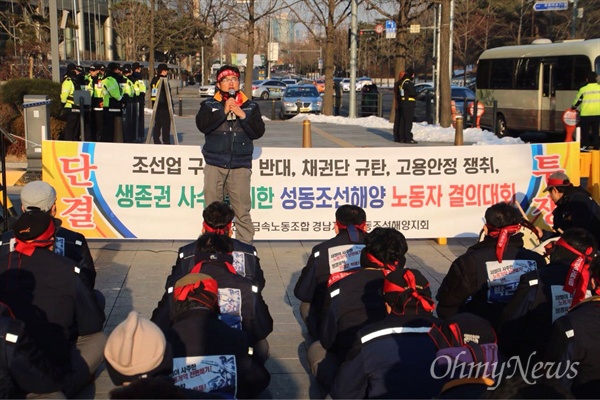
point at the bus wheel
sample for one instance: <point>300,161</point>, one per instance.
<point>501,129</point>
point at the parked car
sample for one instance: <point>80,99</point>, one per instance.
<point>362,81</point>
<point>458,94</point>
<point>269,88</point>
<point>419,87</point>
<point>308,97</point>
<point>346,84</point>
<point>207,90</point>
<point>320,85</point>
<point>290,81</point>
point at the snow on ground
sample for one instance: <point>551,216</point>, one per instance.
<point>422,132</point>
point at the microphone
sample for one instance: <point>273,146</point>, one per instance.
<point>232,95</point>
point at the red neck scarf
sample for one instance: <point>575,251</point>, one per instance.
<point>198,267</point>
<point>502,234</point>
<point>578,276</point>
<point>240,97</point>
<point>425,302</point>
<point>219,231</point>
<point>44,240</point>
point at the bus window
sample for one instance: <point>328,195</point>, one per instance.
<point>548,89</point>
<point>483,74</point>
<point>563,70</point>
<point>501,74</point>
<point>527,73</point>
<point>581,69</point>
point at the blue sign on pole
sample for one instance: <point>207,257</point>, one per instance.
<point>551,6</point>
<point>390,29</point>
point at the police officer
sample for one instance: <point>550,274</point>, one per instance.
<point>405,100</point>
<point>162,118</point>
<point>96,90</point>
<point>588,100</point>
<point>129,99</point>
<point>140,85</point>
<point>71,112</point>
<point>112,102</point>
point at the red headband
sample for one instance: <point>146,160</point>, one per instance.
<point>220,231</point>
<point>43,240</point>
<point>425,302</point>
<point>557,182</point>
<point>502,235</point>
<point>390,267</point>
<point>578,276</point>
<point>209,286</point>
<point>226,73</point>
<point>360,227</point>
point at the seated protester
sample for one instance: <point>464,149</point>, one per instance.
<point>39,195</point>
<point>546,294</point>
<point>575,207</point>
<point>338,254</point>
<point>241,303</point>
<point>575,343</point>
<point>139,361</point>
<point>43,290</point>
<point>218,218</point>
<point>483,280</point>
<point>201,342</point>
<point>354,301</point>
<point>394,356</point>
<point>24,370</point>
<point>466,357</point>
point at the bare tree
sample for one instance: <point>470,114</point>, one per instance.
<point>27,27</point>
<point>330,15</point>
<point>249,14</point>
<point>130,23</point>
<point>405,13</point>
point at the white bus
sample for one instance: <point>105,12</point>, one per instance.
<point>533,84</point>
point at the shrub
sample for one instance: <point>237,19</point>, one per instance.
<point>11,111</point>
<point>13,91</point>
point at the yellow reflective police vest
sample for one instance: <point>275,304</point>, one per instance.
<point>588,98</point>
<point>67,90</point>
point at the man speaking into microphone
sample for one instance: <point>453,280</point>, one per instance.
<point>230,122</point>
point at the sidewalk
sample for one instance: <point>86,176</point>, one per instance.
<point>131,273</point>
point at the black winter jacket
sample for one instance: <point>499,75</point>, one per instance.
<point>44,292</point>
<point>199,332</point>
<point>228,144</point>
<point>353,302</point>
<point>237,295</point>
<point>466,287</point>
<point>339,253</point>
<point>576,338</point>
<point>393,361</point>
<point>577,209</point>
<point>69,244</point>
<point>538,302</point>
<point>23,367</point>
<point>245,262</point>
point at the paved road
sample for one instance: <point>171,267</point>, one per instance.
<point>190,101</point>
